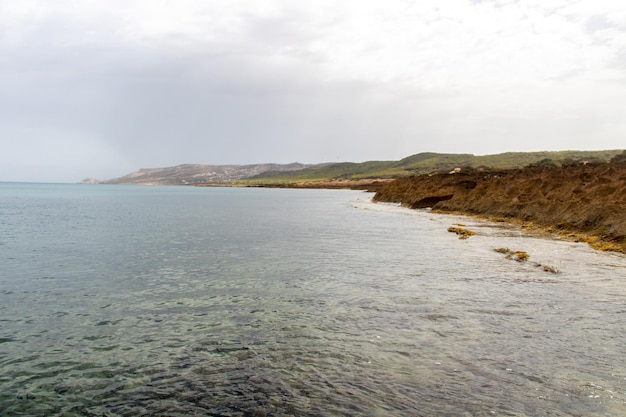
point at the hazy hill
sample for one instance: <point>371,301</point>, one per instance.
<point>191,174</point>
<point>277,174</point>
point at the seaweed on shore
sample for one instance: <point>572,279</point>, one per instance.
<point>462,232</point>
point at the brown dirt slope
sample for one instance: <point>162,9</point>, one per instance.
<point>585,202</point>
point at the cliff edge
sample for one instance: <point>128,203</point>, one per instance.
<point>582,201</point>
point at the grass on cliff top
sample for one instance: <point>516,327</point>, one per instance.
<point>422,163</point>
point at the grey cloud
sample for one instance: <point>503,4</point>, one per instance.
<point>160,105</point>
<point>263,95</point>
<point>597,23</point>
<point>209,107</point>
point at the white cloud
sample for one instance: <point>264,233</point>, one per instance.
<point>156,78</point>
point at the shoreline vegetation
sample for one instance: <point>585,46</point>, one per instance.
<point>582,201</point>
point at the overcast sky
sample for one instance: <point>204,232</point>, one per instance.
<point>100,88</point>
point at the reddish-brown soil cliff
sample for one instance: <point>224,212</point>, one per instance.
<point>583,202</point>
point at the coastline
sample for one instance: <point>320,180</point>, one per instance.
<point>583,203</point>
<point>367,184</point>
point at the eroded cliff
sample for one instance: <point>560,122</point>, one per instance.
<point>580,201</point>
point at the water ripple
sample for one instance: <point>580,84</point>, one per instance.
<point>301,306</point>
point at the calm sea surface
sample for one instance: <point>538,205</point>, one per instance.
<point>181,301</point>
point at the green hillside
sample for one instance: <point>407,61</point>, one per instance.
<point>424,163</point>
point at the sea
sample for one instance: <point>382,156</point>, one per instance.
<point>120,300</point>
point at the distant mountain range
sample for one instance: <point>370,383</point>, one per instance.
<point>284,174</point>
<point>193,174</point>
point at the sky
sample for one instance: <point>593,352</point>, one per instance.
<point>101,88</point>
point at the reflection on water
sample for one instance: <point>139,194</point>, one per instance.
<point>306,303</point>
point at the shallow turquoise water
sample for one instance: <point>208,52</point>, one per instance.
<point>180,301</point>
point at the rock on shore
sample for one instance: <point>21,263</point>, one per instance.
<point>582,201</point>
